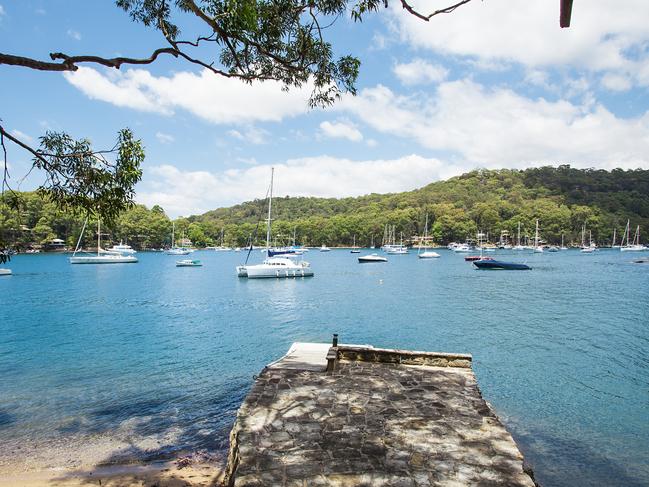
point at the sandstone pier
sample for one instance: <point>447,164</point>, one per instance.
<point>349,415</point>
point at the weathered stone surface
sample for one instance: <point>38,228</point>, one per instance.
<point>375,423</point>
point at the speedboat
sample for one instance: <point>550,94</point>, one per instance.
<point>122,248</point>
<point>188,263</point>
<point>429,254</point>
<point>5,272</point>
<point>372,258</point>
<point>277,267</point>
<point>324,248</point>
<point>553,248</point>
<point>491,264</point>
<point>462,248</point>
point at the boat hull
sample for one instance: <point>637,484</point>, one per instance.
<point>254,272</point>
<point>371,258</point>
<point>93,259</point>
<point>497,265</point>
<point>5,272</point>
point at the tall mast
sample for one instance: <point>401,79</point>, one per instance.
<point>270,205</point>
<point>98,235</point>
<point>519,234</point>
<point>536,236</point>
<point>173,234</point>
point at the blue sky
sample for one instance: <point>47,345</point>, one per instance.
<point>495,84</point>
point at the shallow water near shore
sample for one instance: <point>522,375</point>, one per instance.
<point>118,363</point>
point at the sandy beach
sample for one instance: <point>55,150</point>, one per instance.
<point>164,474</point>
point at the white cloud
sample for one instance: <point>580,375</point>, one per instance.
<point>2,11</point>
<point>616,82</point>
<point>190,192</point>
<point>252,135</point>
<point>419,71</point>
<point>341,130</point>
<point>74,34</point>
<point>22,136</point>
<point>211,97</point>
<point>164,138</point>
<point>500,128</point>
<point>605,35</point>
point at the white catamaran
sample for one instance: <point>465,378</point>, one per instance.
<point>279,266</point>
<point>103,256</point>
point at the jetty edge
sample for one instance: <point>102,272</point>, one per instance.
<point>353,415</point>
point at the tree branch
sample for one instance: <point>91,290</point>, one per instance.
<point>421,16</point>
<point>69,63</point>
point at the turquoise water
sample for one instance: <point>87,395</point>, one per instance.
<point>149,350</point>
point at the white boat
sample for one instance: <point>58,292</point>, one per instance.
<point>634,246</point>
<point>188,263</point>
<point>518,245</point>
<point>396,249</point>
<point>176,250</point>
<point>103,256</point>
<point>281,266</point>
<point>591,247</point>
<point>372,258</point>
<point>324,248</point>
<point>355,250</point>
<point>427,254</point>
<point>5,272</point>
<point>537,248</point>
<point>462,248</point>
<point>122,248</point>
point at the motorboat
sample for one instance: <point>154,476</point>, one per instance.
<point>462,248</point>
<point>490,264</point>
<point>428,254</point>
<point>277,266</point>
<point>178,251</point>
<point>553,248</point>
<point>188,263</point>
<point>5,272</point>
<point>324,248</point>
<point>372,258</point>
<point>396,249</point>
<point>103,256</point>
<point>122,248</point>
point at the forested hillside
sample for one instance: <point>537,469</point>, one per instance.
<point>563,199</point>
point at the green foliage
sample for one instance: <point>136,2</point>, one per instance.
<point>82,180</point>
<point>562,199</point>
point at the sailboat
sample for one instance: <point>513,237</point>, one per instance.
<point>103,256</point>
<point>636,246</point>
<point>429,254</point>
<point>355,250</point>
<point>591,246</point>
<point>563,247</point>
<point>518,245</point>
<point>176,250</point>
<point>537,248</point>
<point>281,266</point>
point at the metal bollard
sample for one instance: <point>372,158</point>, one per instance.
<point>335,340</point>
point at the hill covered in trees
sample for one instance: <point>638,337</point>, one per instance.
<point>563,199</point>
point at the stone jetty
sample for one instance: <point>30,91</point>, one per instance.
<point>349,415</point>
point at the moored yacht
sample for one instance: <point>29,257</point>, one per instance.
<point>103,256</point>
<point>122,248</point>
<point>280,266</point>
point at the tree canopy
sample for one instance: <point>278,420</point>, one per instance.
<point>563,199</point>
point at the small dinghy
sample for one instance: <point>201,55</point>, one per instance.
<point>5,272</point>
<point>372,258</point>
<point>188,263</point>
<point>498,265</point>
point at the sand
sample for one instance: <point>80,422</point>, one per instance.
<point>167,474</point>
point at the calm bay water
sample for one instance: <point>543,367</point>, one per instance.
<point>160,357</point>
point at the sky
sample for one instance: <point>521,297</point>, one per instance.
<point>496,84</point>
